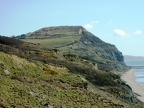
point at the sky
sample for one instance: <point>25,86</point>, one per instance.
<point>119,22</point>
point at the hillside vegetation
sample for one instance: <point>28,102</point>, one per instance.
<point>25,84</point>
<point>33,76</point>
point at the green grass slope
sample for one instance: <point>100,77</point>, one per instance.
<point>55,42</point>
<point>53,37</point>
<point>25,84</point>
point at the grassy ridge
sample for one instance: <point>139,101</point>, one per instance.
<point>55,42</point>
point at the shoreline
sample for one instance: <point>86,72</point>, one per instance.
<point>137,88</point>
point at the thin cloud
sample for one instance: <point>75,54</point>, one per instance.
<point>138,32</point>
<point>119,32</point>
<point>88,26</point>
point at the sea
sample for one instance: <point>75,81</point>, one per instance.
<point>139,66</point>
<point>139,75</point>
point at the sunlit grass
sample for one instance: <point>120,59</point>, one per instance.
<point>54,42</point>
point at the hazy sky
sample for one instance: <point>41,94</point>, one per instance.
<point>120,22</point>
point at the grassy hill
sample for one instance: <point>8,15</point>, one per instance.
<point>53,37</point>
<point>75,40</point>
<point>32,76</point>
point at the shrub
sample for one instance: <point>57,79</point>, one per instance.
<point>50,71</point>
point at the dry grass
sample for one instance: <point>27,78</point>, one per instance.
<point>15,59</point>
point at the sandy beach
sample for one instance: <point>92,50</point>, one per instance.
<point>129,78</point>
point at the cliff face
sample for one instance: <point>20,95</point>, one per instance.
<point>99,48</point>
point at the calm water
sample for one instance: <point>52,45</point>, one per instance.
<point>139,74</point>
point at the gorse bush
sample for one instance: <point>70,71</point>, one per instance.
<point>103,79</point>
<point>50,71</point>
